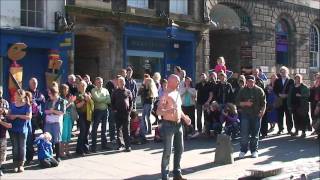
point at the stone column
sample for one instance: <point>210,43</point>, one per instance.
<point>71,61</point>
<point>206,50</point>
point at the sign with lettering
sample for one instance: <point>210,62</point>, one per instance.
<point>146,44</point>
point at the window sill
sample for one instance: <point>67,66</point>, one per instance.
<point>32,28</point>
<point>180,16</point>
<point>141,11</point>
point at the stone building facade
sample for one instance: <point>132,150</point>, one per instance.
<point>260,33</point>
<point>269,32</point>
<point>110,35</point>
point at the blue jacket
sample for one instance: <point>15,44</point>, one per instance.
<point>132,86</point>
<point>44,148</point>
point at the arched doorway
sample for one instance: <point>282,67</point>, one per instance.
<point>230,36</point>
<point>87,55</point>
<point>282,43</point>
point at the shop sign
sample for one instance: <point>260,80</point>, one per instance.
<point>149,44</point>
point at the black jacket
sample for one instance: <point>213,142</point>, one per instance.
<point>280,88</point>
<point>122,101</point>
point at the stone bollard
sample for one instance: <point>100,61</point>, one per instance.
<point>224,150</point>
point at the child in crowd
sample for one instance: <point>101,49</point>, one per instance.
<point>272,114</point>
<point>221,67</point>
<point>213,119</point>
<point>229,116</point>
<point>135,130</point>
<point>4,107</point>
<point>45,152</point>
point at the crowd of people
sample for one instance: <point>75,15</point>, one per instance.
<point>246,106</point>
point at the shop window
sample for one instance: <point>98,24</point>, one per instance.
<point>32,13</point>
<point>138,3</point>
<point>179,7</point>
<point>314,47</point>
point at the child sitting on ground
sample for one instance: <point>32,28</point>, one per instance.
<point>135,131</point>
<point>45,152</point>
<point>213,119</point>
<point>229,116</point>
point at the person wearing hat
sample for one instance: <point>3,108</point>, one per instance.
<point>252,100</point>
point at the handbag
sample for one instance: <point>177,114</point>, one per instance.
<point>279,101</point>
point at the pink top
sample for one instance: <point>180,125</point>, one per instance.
<point>219,68</point>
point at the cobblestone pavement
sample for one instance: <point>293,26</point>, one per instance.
<point>297,156</point>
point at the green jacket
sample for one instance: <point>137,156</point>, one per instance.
<point>304,99</point>
<point>101,98</point>
<point>256,95</point>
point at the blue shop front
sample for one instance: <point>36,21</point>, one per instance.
<point>149,49</point>
<point>40,45</point>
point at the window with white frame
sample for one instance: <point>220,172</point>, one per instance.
<point>32,13</point>
<point>314,46</point>
<point>138,3</point>
<point>179,6</point>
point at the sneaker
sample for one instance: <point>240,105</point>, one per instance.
<point>179,178</point>
<point>254,154</point>
<point>242,155</point>
<point>120,148</point>
<point>21,169</point>
<point>196,134</point>
<point>294,134</point>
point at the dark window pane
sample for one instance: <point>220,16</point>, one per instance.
<point>31,19</point>
<point>24,4</point>
<point>39,5</point>
<point>23,18</point>
<point>31,5</point>
<point>39,19</point>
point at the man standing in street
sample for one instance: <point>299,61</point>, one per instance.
<point>170,110</point>
<point>122,106</point>
<point>252,100</point>
<point>101,99</point>
<point>281,88</point>
<point>131,85</point>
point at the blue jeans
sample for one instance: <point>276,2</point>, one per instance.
<point>112,124</point>
<point>55,129</point>
<point>250,128</point>
<point>19,141</point>
<point>146,116</point>
<point>100,116</point>
<point>172,134</point>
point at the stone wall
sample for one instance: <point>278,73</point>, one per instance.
<point>264,16</point>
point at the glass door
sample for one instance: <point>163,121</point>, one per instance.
<point>145,62</point>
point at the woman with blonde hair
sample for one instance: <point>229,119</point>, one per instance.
<point>54,109</point>
<point>85,108</point>
<point>19,115</point>
<point>148,92</point>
